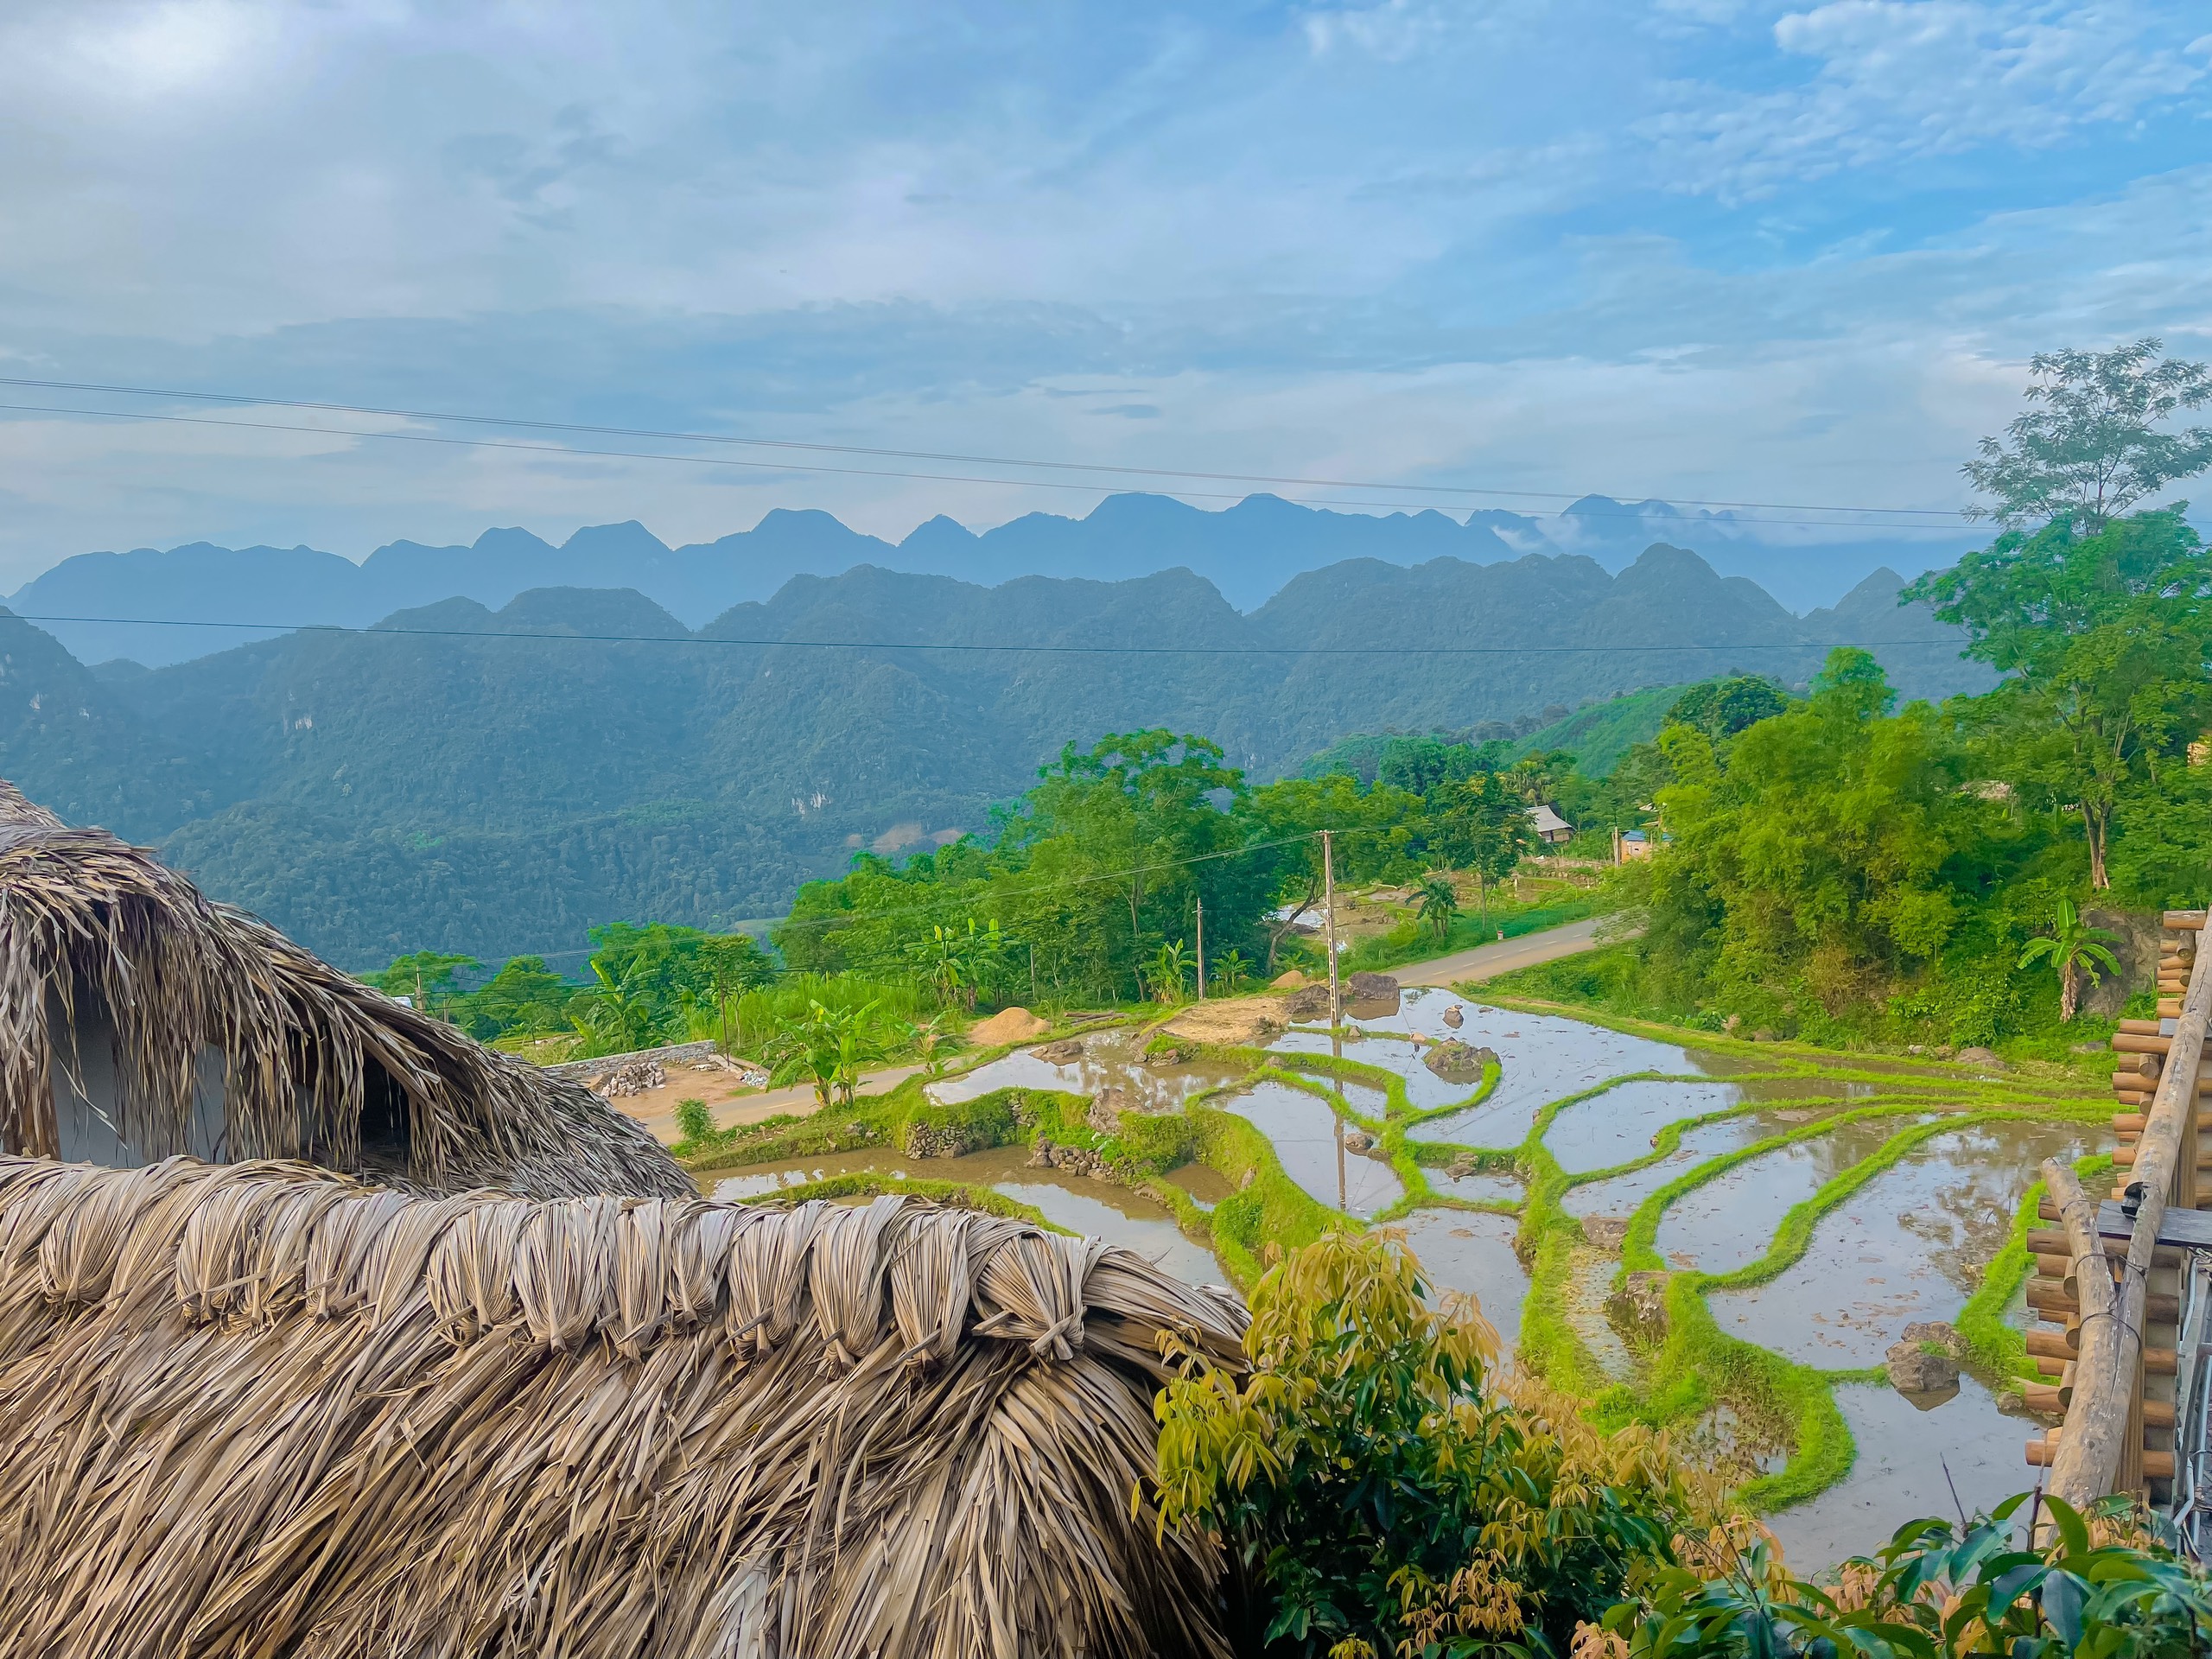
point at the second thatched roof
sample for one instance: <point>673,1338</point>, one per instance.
<point>138,1019</point>
<point>266,1410</point>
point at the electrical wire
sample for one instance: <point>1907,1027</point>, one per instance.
<point>981,649</point>
<point>1900,518</point>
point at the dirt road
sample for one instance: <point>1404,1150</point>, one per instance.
<point>1501,956</point>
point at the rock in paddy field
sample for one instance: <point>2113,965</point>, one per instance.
<point>1915,1369</point>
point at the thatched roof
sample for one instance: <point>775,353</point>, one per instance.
<point>266,1410</point>
<point>112,964</point>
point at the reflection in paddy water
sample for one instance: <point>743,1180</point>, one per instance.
<point>1729,1221</point>
<point>1908,1245</point>
<point>1304,1132</point>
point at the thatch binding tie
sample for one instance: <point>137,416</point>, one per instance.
<point>255,1242</point>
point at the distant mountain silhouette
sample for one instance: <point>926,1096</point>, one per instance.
<point>386,791</point>
<point>1249,551</point>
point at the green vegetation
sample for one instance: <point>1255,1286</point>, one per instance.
<point>1382,1487</point>
<point>1089,892</point>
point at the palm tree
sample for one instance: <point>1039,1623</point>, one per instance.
<point>2074,949</point>
<point>1438,904</point>
<point>616,1019</point>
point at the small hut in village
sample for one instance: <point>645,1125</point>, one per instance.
<point>324,1333</point>
<point>140,1019</point>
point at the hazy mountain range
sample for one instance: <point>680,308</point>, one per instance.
<point>1248,552</point>
<point>493,783</point>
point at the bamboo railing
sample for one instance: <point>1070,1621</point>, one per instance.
<point>2115,1277</point>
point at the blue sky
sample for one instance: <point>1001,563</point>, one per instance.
<point>1691,249</point>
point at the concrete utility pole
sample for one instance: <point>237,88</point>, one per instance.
<point>1329,909</point>
<point>1202,950</point>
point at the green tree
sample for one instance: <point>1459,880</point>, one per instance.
<point>2074,949</point>
<point>1382,1488</point>
<point>2103,640</point>
<point>426,978</point>
<point>1375,830</point>
<point>2091,450</point>
<point>1438,903</point>
<point>1230,971</point>
<point>958,961</point>
<point>1722,707</point>
<point>525,996</point>
<point>735,964</point>
<point>1483,826</point>
<point>1418,765</point>
<point>615,1015</point>
<point>1822,851</point>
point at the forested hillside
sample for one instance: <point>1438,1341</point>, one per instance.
<point>458,779</point>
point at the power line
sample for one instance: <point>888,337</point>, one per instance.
<point>1903,517</point>
<point>980,649</point>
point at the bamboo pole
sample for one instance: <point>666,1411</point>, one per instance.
<point>2083,1464</point>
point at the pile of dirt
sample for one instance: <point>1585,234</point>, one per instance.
<point>1237,1021</point>
<point>1007,1025</point>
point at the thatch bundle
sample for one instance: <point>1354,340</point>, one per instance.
<point>265,1410</point>
<point>138,1019</point>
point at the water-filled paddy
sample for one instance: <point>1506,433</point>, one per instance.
<point>1624,1123</point>
<point>1107,1059</point>
<point>1729,1221</point>
<point>1101,1209</point>
<point>1473,1254</point>
<point>1308,1137</point>
<point>1910,1245</point>
<point>1910,1456</point>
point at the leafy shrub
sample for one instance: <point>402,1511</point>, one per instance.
<point>2098,1589</point>
<point>694,1122</point>
<point>1384,1492</point>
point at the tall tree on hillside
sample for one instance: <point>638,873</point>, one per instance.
<point>1725,706</point>
<point>2104,640</point>
<point>1482,826</point>
<point>1821,850</point>
<point>2091,449</point>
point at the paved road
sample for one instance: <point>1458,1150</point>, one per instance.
<point>1501,956</point>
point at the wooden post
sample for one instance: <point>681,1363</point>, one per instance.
<point>1202,948</point>
<point>1329,907</point>
<point>2089,1452</point>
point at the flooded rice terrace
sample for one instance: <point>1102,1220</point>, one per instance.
<point>1915,1176</point>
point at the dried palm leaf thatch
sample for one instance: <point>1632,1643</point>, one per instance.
<point>260,1410</point>
<point>119,981</point>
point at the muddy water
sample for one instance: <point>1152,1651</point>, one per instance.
<point>1305,1134</point>
<point>1620,1195</point>
<point>1621,1124</point>
<point>1100,1209</point>
<point>1481,1187</point>
<point>1110,1059</point>
<point>1206,1184</point>
<point>1903,1454</point>
<point>1908,1245</point>
<point>1730,1221</point>
<point>1473,1253</point>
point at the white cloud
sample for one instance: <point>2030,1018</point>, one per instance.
<point>1899,79</point>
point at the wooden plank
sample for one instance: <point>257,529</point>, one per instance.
<point>2190,1229</point>
<point>2183,921</point>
